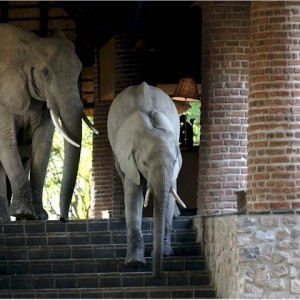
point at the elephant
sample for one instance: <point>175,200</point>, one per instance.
<point>143,130</point>
<point>5,187</point>
<point>38,93</point>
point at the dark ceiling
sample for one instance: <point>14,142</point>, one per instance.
<point>170,32</point>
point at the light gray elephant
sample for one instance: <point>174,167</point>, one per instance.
<point>143,130</point>
<point>38,82</point>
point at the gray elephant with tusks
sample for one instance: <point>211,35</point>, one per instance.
<point>143,130</point>
<point>38,91</point>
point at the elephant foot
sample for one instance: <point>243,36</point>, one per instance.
<point>4,217</point>
<point>168,251</point>
<point>135,251</point>
<point>22,210</point>
<point>4,213</point>
<point>40,212</point>
<point>135,262</point>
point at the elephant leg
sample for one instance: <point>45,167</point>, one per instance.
<point>176,211</point>
<point>41,149</point>
<point>133,212</point>
<point>4,212</point>
<point>21,206</point>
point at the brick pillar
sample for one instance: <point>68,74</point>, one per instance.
<point>128,63</point>
<point>274,107</point>
<point>102,163</point>
<point>223,147</point>
<point>102,160</point>
<point>108,190</point>
<point>127,72</point>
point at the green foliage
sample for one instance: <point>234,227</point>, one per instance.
<point>194,113</point>
<point>82,193</point>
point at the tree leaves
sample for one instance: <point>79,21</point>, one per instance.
<point>80,205</point>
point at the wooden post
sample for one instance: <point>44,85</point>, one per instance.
<point>44,7</point>
<point>4,12</point>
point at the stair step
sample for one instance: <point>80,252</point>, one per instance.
<point>86,238</point>
<point>101,280</point>
<point>192,263</point>
<point>168,292</point>
<point>85,259</point>
<point>31,226</point>
<point>86,251</point>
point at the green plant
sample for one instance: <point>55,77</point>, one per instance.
<point>195,113</point>
<point>83,188</point>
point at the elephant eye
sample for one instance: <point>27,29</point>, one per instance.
<point>45,72</point>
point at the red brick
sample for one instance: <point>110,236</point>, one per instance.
<point>225,84</point>
<point>260,206</point>
<point>273,80</point>
<point>108,192</point>
<point>280,205</point>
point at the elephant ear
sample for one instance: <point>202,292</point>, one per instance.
<point>14,93</point>
<point>124,148</point>
<point>160,121</point>
<point>58,33</point>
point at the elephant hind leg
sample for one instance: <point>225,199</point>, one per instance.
<point>41,149</point>
<point>4,211</point>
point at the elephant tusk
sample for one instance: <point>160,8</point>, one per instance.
<point>177,198</point>
<point>55,119</point>
<point>147,197</point>
<point>89,124</point>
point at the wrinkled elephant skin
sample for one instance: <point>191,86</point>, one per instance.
<point>39,78</point>
<point>143,130</point>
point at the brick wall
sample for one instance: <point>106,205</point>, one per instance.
<point>127,72</point>
<point>102,163</point>
<point>128,63</point>
<point>223,147</point>
<point>108,190</point>
<point>274,114</point>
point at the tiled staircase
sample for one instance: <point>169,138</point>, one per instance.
<point>85,259</point>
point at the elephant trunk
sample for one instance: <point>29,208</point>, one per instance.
<point>71,121</point>
<point>158,235</point>
<point>161,191</point>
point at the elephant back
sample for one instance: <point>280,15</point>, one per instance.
<point>143,98</point>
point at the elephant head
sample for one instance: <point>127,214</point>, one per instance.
<point>152,153</point>
<point>45,70</point>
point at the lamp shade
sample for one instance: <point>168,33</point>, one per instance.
<point>186,90</point>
